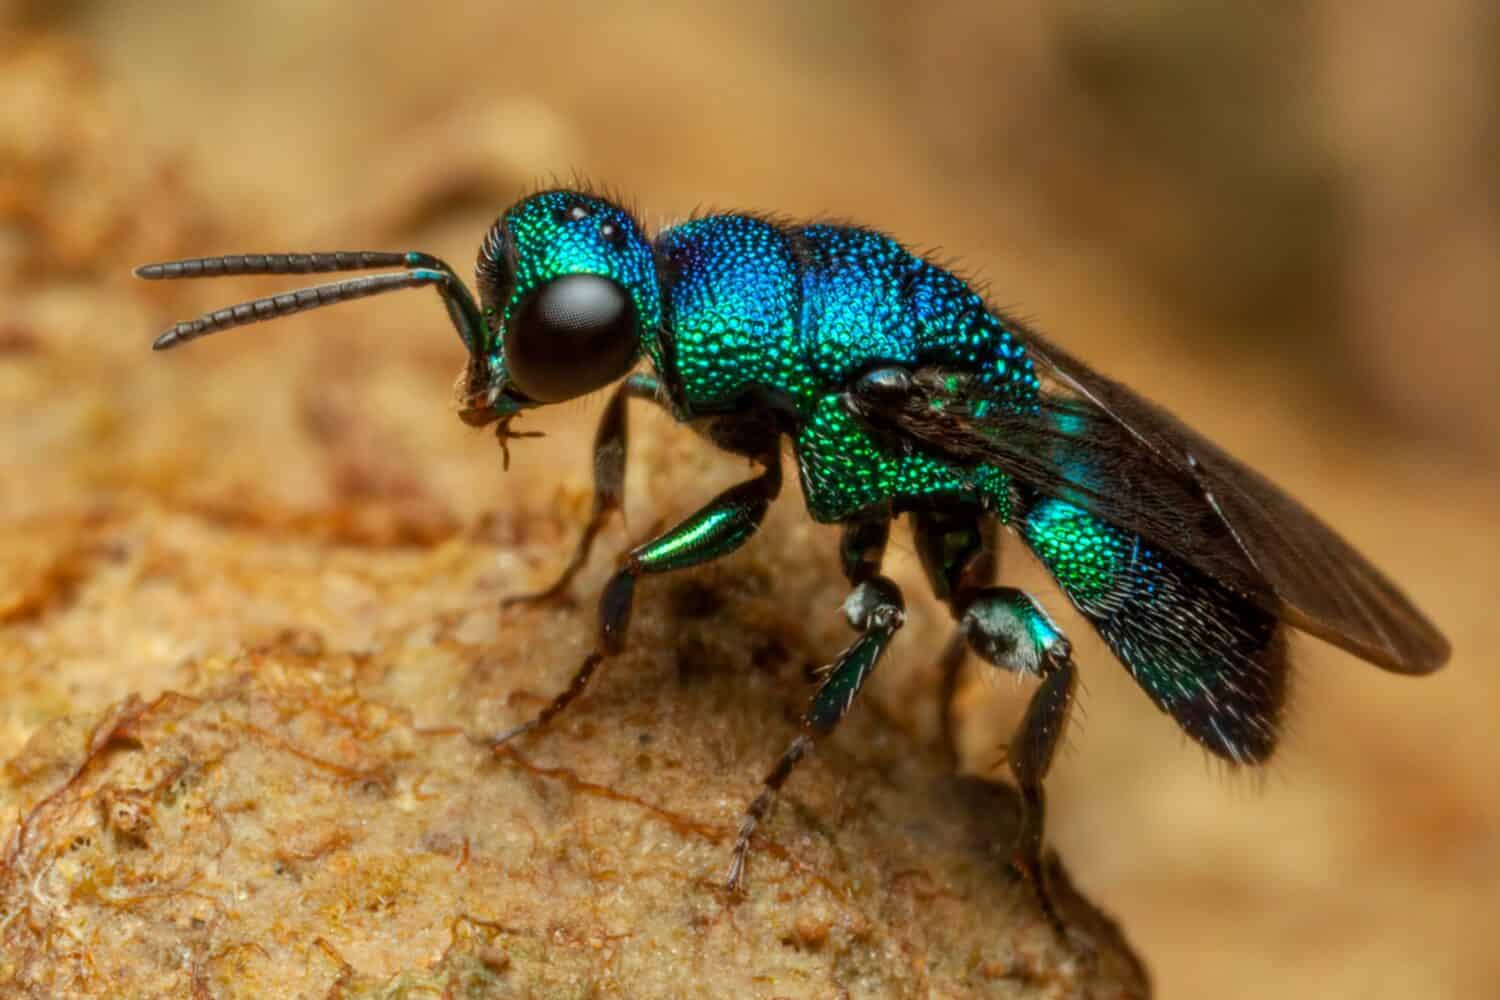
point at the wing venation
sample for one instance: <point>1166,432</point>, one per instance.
<point>1095,443</point>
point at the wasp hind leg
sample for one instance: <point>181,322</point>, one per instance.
<point>609,483</point>
<point>1008,629</point>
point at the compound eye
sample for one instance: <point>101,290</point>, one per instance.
<point>571,336</point>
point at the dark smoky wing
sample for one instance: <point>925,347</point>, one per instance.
<point>1072,451</point>
<point>1095,443</point>
<point>1325,586</point>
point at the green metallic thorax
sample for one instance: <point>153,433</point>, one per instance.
<point>756,313</point>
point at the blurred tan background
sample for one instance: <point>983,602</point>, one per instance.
<point>1283,222</point>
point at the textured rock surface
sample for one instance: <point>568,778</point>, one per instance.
<point>249,637</point>
<point>309,817</point>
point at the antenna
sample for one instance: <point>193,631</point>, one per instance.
<point>422,269</point>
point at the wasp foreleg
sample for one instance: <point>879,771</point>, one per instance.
<point>716,530</point>
<point>609,481</point>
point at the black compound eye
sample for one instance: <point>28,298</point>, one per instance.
<point>571,336</point>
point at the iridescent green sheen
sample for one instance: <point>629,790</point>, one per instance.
<point>790,315</point>
<point>1011,631</point>
<point>707,535</point>
<point>845,469</point>
<point>1044,634</point>
<point>1203,653</point>
<point>738,310</point>
<point>732,313</point>
<point>1086,554</point>
<point>556,233</point>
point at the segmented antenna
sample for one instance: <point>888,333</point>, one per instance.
<point>287,303</point>
<point>276,263</point>
<point>422,269</point>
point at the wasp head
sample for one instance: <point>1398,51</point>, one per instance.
<point>568,286</point>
